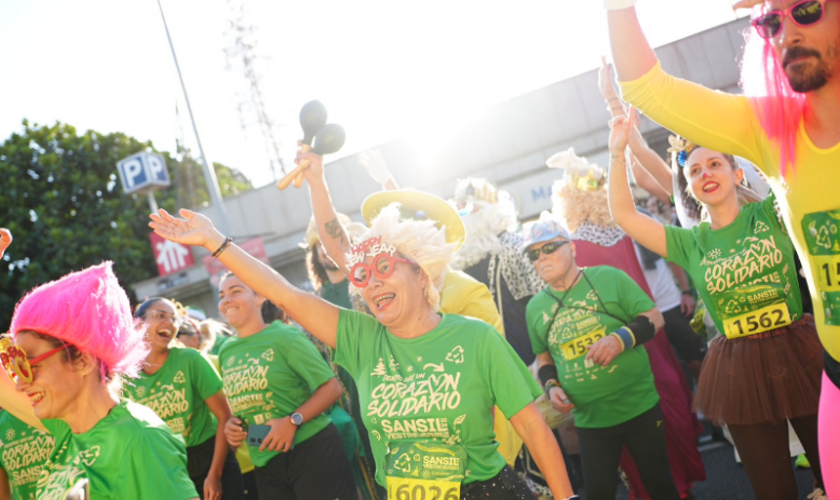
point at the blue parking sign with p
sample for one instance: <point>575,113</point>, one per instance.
<point>143,172</point>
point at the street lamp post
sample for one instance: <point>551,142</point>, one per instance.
<point>221,220</point>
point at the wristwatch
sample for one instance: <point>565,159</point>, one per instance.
<point>296,419</point>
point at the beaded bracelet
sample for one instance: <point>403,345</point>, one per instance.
<point>224,246</point>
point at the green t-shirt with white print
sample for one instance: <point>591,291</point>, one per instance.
<point>269,375</point>
<point>441,386</point>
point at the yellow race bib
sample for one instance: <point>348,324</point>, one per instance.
<point>424,470</point>
<point>576,348</point>
<point>761,320</point>
<point>422,489</point>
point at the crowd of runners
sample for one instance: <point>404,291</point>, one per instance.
<point>446,342</point>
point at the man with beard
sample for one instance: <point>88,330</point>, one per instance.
<point>492,254</point>
<point>788,124</point>
<point>330,283</point>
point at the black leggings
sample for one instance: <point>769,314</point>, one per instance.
<point>316,469</point>
<point>199,460</point>
<point>644,436</point>
<point>765,454</point>
<point>505,486</point>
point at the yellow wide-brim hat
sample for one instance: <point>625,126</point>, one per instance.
<point>418,205</point>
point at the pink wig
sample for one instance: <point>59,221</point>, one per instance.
<point>778,107</point>
<point>89,310</point>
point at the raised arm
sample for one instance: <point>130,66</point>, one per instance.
<point>377,168</point>
<point>646,181</point>
<point>643,229</point>
<point>719,121</point>
<point>650,171</point>
<point>631,51</point>
<point>5,240</point>
<point>330,231</point>
<point>317,316</point>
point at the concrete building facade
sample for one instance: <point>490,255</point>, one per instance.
<point>507,143</point>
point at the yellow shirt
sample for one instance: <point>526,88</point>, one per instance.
<point>728,123</point>
<point>464,295</point>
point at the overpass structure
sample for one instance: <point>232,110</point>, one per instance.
<point>507,143</point>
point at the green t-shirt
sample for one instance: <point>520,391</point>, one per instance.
<point>441,386</point>
<point>338,294</point>
<point>23,452</point>
<point>270,375</point>
<point>177,391</point>
<point>742,268</point>
<point>131,454</point>
<point>603,396</point>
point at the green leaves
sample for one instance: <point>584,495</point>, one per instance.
<point>59,198</point>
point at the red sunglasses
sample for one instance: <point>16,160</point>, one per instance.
<point>804,13</point>
<point>14,360</point>
<point>382,266</point>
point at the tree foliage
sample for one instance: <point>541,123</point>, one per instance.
<point>61,198</point>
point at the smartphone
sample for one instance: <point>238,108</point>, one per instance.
<point>257,433</point>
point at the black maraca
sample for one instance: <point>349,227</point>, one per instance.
<point>328,138</point>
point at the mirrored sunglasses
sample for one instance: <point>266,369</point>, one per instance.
<point>804,13</point>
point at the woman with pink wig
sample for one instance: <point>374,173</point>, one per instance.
<point>788,124</point>
<point>74,342</point>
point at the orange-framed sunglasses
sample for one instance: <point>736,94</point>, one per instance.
<point>14,360</point>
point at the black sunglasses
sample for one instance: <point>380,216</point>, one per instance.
<point>803,13</point>
<point>548,248</point>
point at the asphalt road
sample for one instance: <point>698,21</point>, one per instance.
<point>727,479</point>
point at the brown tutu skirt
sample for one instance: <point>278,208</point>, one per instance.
<point>764,378</point>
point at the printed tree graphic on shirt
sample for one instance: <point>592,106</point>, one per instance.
<point>380,368</point>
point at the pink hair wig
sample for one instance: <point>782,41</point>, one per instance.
<point>778,106</point>
<point>89,310</point>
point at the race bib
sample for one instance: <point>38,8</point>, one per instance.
<point>576,348</point>
<point>762,320</point>
<point>822,235</point>
<point>426,470</point>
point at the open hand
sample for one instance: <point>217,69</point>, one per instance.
<point>234,433</point>
<point>746,4</point>
<point>687,305</point>
<point>5,240</point>
<point>213,487</point>
<point>194,229</point>
<point>605,81</point>
<point>560,401</point>
<point>375,165</point>
<point>621,130</point>
<point>605,350</point>
<point>281,437</point>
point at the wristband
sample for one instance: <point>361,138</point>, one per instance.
<point>625,335</point>
<point>548,386</point>
<point>688,292</point>
<point>618,4</point>
<point>546,373</point>
<point>642,329</point>
<point>224,246</point>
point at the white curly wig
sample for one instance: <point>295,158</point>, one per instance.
<point>420,241</point>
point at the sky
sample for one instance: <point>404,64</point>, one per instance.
<point>384,69</point>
